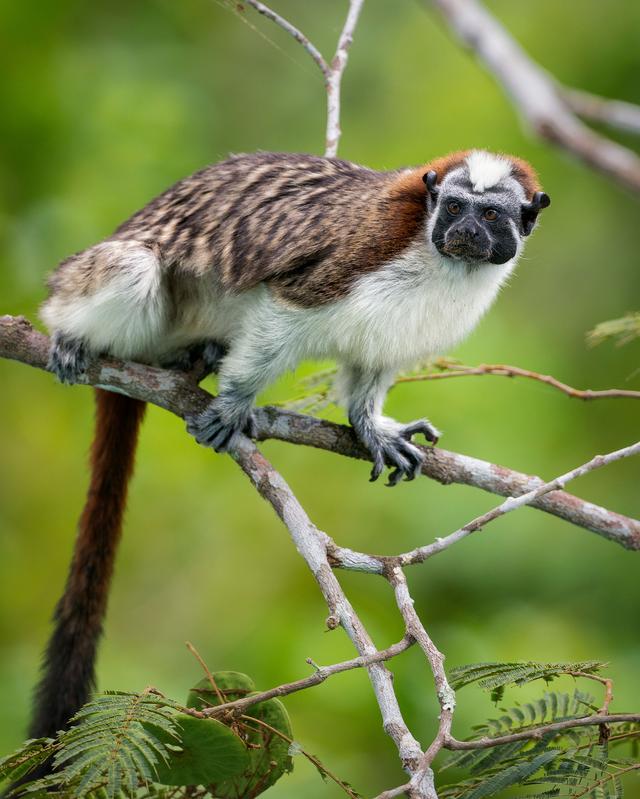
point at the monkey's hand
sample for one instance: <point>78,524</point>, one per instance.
<point>390,444</point>
<point>67,357</point>
<point>220,422</point>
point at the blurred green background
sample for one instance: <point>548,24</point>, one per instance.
<point>104,104</point>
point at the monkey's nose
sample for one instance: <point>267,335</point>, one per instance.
<point>468,230</point>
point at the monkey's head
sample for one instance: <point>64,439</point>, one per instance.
<point>481,206</point>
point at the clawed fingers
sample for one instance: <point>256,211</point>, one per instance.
<point>404,459</point>
<point>210,430</point>
<point>378,465</point>
<point>408,461</point>
<point>430,432</point>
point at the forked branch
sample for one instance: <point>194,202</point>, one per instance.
<point>331,72</point>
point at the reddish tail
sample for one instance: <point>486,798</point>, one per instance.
<point>69,662</point>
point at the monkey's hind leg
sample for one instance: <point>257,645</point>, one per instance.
<point>109,299</point>
<point>67,357</point>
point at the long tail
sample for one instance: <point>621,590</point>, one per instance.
<point>69,662</point>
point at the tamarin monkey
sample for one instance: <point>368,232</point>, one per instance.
<point>255,264</point>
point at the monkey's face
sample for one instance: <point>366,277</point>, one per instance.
<point>480,226</point>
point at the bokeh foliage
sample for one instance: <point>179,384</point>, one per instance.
<point>105,104</point>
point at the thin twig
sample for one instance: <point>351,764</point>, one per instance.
<point>334,79</point>
<point>206,670</point>
<point>608,688</point>
<point>592,789</point>
<point>512,503</point>
<point>535,93</point>
<point>297,34</point>
<point>319,676</point>
<point>311,758</point>
<point>344,558</point>
<point>505,370</point>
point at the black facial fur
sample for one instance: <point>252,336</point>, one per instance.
<point>465,229</point>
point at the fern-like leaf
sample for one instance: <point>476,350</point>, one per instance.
<point>111,748</point>
<point>494,675</point>
<point>29,756</point>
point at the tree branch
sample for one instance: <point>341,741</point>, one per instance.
<point>321,673</point>
<point>538,732</point>
<point>180,394</point>
<point>615,113</point>
<point>535,93</point>
<point>451,369</point>
<point>311,543</point>
<point>453,744</point>
<point>420,554</point>
<point>445,693</point>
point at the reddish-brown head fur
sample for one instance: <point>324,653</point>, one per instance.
<point>521,170</point>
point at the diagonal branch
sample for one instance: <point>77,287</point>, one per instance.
<point>297,34</point>
<point>311,543</point>
<point>535,93</point>
<point>180,394</point>
<point>421,554</point>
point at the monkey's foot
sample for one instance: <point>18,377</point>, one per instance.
<point>207,354</point>
<point>393,447</point>
<point>67,358</point>
<point>218,425</point>
<point>424,426</point>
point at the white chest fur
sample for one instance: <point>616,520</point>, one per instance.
<point>417,306</point>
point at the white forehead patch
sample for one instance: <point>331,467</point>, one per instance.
<point>486,169</point>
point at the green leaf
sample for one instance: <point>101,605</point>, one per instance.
<point>269,756</point>
<point>208,752</point>
<point>109,750</point>
<point>31,754</point>
<point>511,776</point>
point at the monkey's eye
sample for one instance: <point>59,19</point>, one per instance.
<point>453,208</point>
<point>491,214</point>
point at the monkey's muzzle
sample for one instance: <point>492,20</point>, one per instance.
<point>467,241</point>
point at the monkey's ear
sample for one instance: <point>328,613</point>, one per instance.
<point>430,180</point>
<point>531,210</point>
